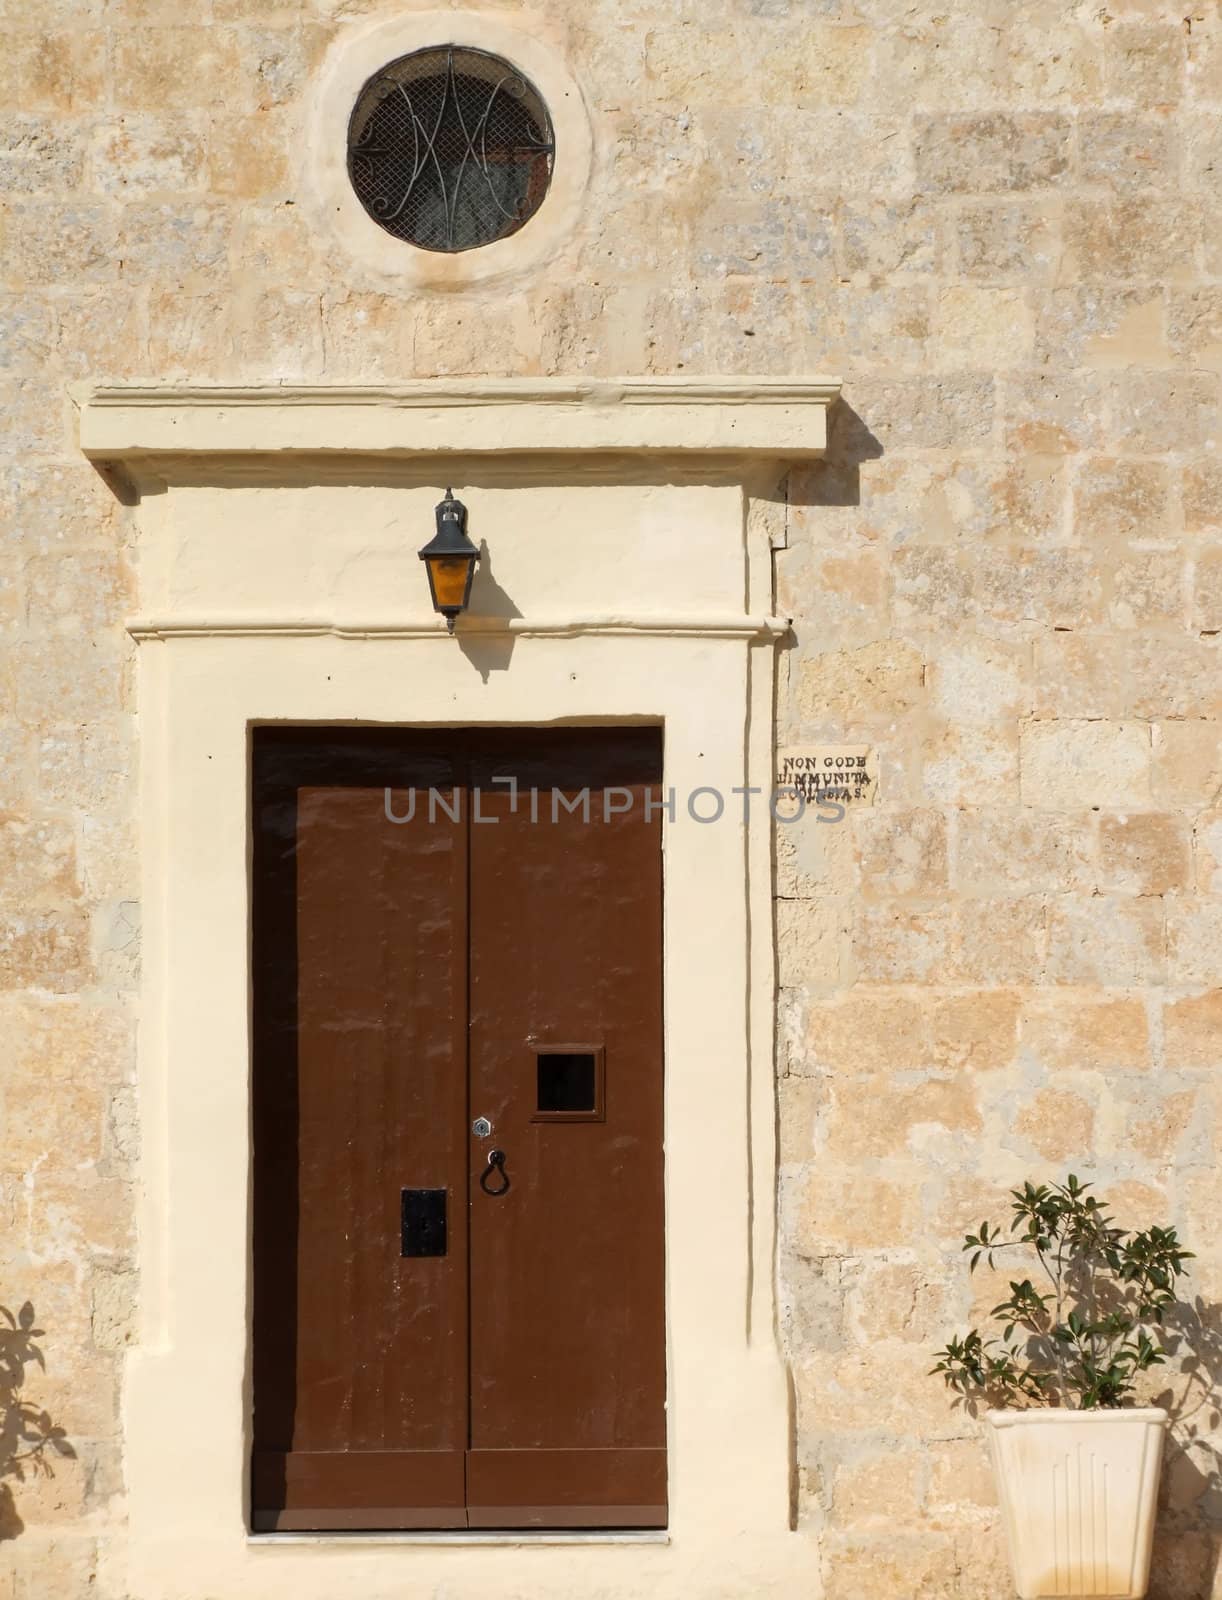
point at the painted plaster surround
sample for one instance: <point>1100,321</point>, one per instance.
<point>355,56</point>
<point>627,575</point>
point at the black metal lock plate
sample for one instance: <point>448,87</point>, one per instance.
<point>423,1215</point>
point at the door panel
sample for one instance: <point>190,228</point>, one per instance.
<point>360,958</point>
<point>572,1488</point>
<point>567,1267</point>
<point>426,1353</point>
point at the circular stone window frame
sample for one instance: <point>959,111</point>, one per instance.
<point>359,55</point>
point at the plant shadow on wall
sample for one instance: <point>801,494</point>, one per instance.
<point>1191,1497</point>
<point>29,1440</point>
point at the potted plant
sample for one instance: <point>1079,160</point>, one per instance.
<point>1077,1472</point>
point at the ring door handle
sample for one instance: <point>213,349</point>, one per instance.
<point>496,1163</point>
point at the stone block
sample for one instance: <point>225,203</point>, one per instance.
<point>932,584</point>
<point>991,153</point>
<point>1001,941</point>
<point>902,852</point>
<point>1174,677</point>
<point>1207,852</point>
<point>1159,1125</point>
<point>1068,765</point>
<point>1153,238</point>
<point>829,70</point>
<point>866,1029</point>
<point>1203,152</point>
<point>1065,1030</point>
<point>91,767</point>
<point>1158,412</point>
<point>279,334</point>
<point>1034,75</point>
<point>1146,853</point>
<point>91,592</point>
<point>1079,675</point>
<point>26,333</point>
<point>946,412</point>
<point>147,154</point>
<point>1102,326</point>
<point>838,1217</point>
<point>248,155</point>
<point>1001,853</point>
<point>815,858</point>
<point>1202,496</point>
<point>970,766</point>
<point>1113,942</point>
<point>844,593</point>
<point>1145,63</point>
<point>191,67</point>
<point>1150,586</point>
<point>1058,1124</point>
<point>1010,241</point>
<point>908,1302</point>
<point>40,155</point>
<point>51,241</point>
<point>874,327</point>
<point>982,328</point>
<point>812,941</point>
<point>1207,591</point>
<point>1192,1031</point>
<point>897,942</point>
<point>811,1305</point>
<point>60,70</point>
<point>975,1030</point>
<point>44,949</point>
<point>1187,763</point>
<point>1055,588</point>
<point>1124,153</point>
<point>65,1037</point>
<point>37,863</point>
<point>182,242</point>
<point>799,1101</point>
<point>880,1389</point>
<point>52,1123</point>
<point>961,1480</point>
<point>916,1565</point>
<point>876,1116</point>
<point>1194,941</point>
<point>1053,413</point>
<point>887,678</point>
<point>1195,328</point>
<point>886,238</point>
<point>870,1491</point>
<point>79,681</point>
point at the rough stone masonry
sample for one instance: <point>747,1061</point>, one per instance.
<point>1000,221</point>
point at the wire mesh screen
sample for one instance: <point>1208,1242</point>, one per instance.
<point>450,149</point>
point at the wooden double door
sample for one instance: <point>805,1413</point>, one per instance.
<point>457,1103</point>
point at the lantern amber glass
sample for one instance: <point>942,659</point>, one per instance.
<point>449,575</point>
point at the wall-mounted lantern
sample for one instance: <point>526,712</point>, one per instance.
<point>450,560</point>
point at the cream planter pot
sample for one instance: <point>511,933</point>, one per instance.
<point>1079,1491</point>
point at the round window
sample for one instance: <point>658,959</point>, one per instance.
<point>450,148</point>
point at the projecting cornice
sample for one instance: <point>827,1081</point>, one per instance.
<point>779,418</point>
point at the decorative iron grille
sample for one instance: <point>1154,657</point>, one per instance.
<point>450,148</point>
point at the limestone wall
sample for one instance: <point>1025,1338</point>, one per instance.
<point>1000,223</point>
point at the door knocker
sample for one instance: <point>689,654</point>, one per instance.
<point>496,1159</point>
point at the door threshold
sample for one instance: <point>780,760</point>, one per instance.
<point>471,1536</point>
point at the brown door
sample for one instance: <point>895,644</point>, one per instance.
<point>455,1327</point>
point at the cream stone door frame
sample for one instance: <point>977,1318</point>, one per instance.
<point>627,577</point>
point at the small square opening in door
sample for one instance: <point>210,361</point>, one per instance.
<point>569,1084</point>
